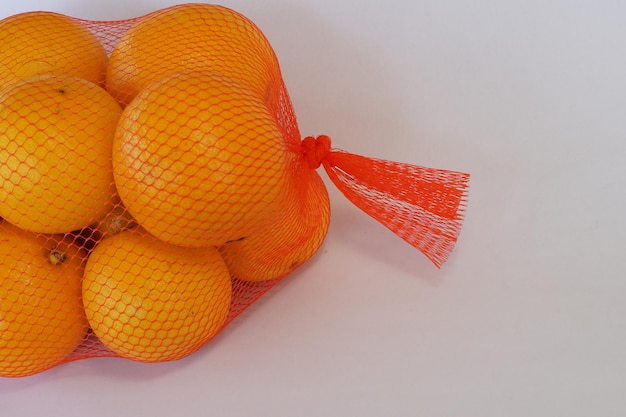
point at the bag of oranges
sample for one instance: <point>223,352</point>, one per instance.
<point>154,184</point>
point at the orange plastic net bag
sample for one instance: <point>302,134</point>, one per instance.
<point>154,184</point>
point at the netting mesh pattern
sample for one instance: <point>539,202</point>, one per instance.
<point>154,184</point>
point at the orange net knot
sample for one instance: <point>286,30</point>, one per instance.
<point>316,150</point>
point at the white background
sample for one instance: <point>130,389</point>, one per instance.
<point>528,317</point>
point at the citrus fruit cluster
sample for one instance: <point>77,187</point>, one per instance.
<point>140,185</point>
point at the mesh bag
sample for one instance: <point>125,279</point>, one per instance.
<point>154,184</point>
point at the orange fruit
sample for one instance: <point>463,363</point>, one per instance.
<point>191,37</point>
<point>291,237</point>
<point>56,134</point>
<point>35,43</point>
<point>198,160</point>
<point>150,301</point>
<point>41,315</point>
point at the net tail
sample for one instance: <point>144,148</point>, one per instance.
<point>424,206</point>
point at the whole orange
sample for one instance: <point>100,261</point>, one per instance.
<point>192,37</point>
<point>198,160</point>
<point>41,315</point>
<point>150,301</point>
<point>56,134</point>
<point>35,43</point>
<point>289,238</point>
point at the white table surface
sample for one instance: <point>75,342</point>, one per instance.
<point>528,317</point>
